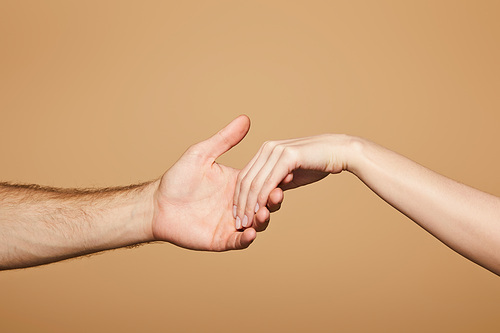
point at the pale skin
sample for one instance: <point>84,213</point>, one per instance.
<point>189,206</point>
<point>465,219</point>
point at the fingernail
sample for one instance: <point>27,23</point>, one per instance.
<point>245,221</point>
<point>234,211</point>
<point>238,222</point>
<point>257,207</point>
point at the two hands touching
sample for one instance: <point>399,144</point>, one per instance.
<point>201,205</point>
<point>463,218</point>
<point>194,198</point>
<point>190,206</point>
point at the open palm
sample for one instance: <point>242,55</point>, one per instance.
<point>193,202</point>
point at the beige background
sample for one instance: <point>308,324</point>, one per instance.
<point>103,93</point>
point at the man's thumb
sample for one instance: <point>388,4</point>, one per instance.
<point>227,137</point>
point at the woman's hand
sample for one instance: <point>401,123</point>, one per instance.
<point>286,164</point>
<point>465,219</point>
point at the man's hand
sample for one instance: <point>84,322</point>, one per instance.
<point>194,199</point>
<point>190,206</point>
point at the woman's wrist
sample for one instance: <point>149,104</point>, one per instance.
<point>354,149</point>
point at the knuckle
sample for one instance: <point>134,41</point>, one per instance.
<point>268,145</point>
<point>194,150</point>
<point>281,149</point>
<point>254,186</point>
<point>261,197</point>
<point>244,184</point>
<point>290,152</point>
<point>249,211</point>
<point>240,178</point>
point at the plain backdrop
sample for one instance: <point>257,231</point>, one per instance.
<point>107,93</point>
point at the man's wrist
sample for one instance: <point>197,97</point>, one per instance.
<point>125,218</point>
<point>146,209</point>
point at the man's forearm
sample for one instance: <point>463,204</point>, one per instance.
<point>40,225</point>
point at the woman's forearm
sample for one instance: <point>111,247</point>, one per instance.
<point>464,218</point>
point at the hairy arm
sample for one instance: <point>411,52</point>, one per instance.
<point>39,225</point>
<point>465,219</point>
